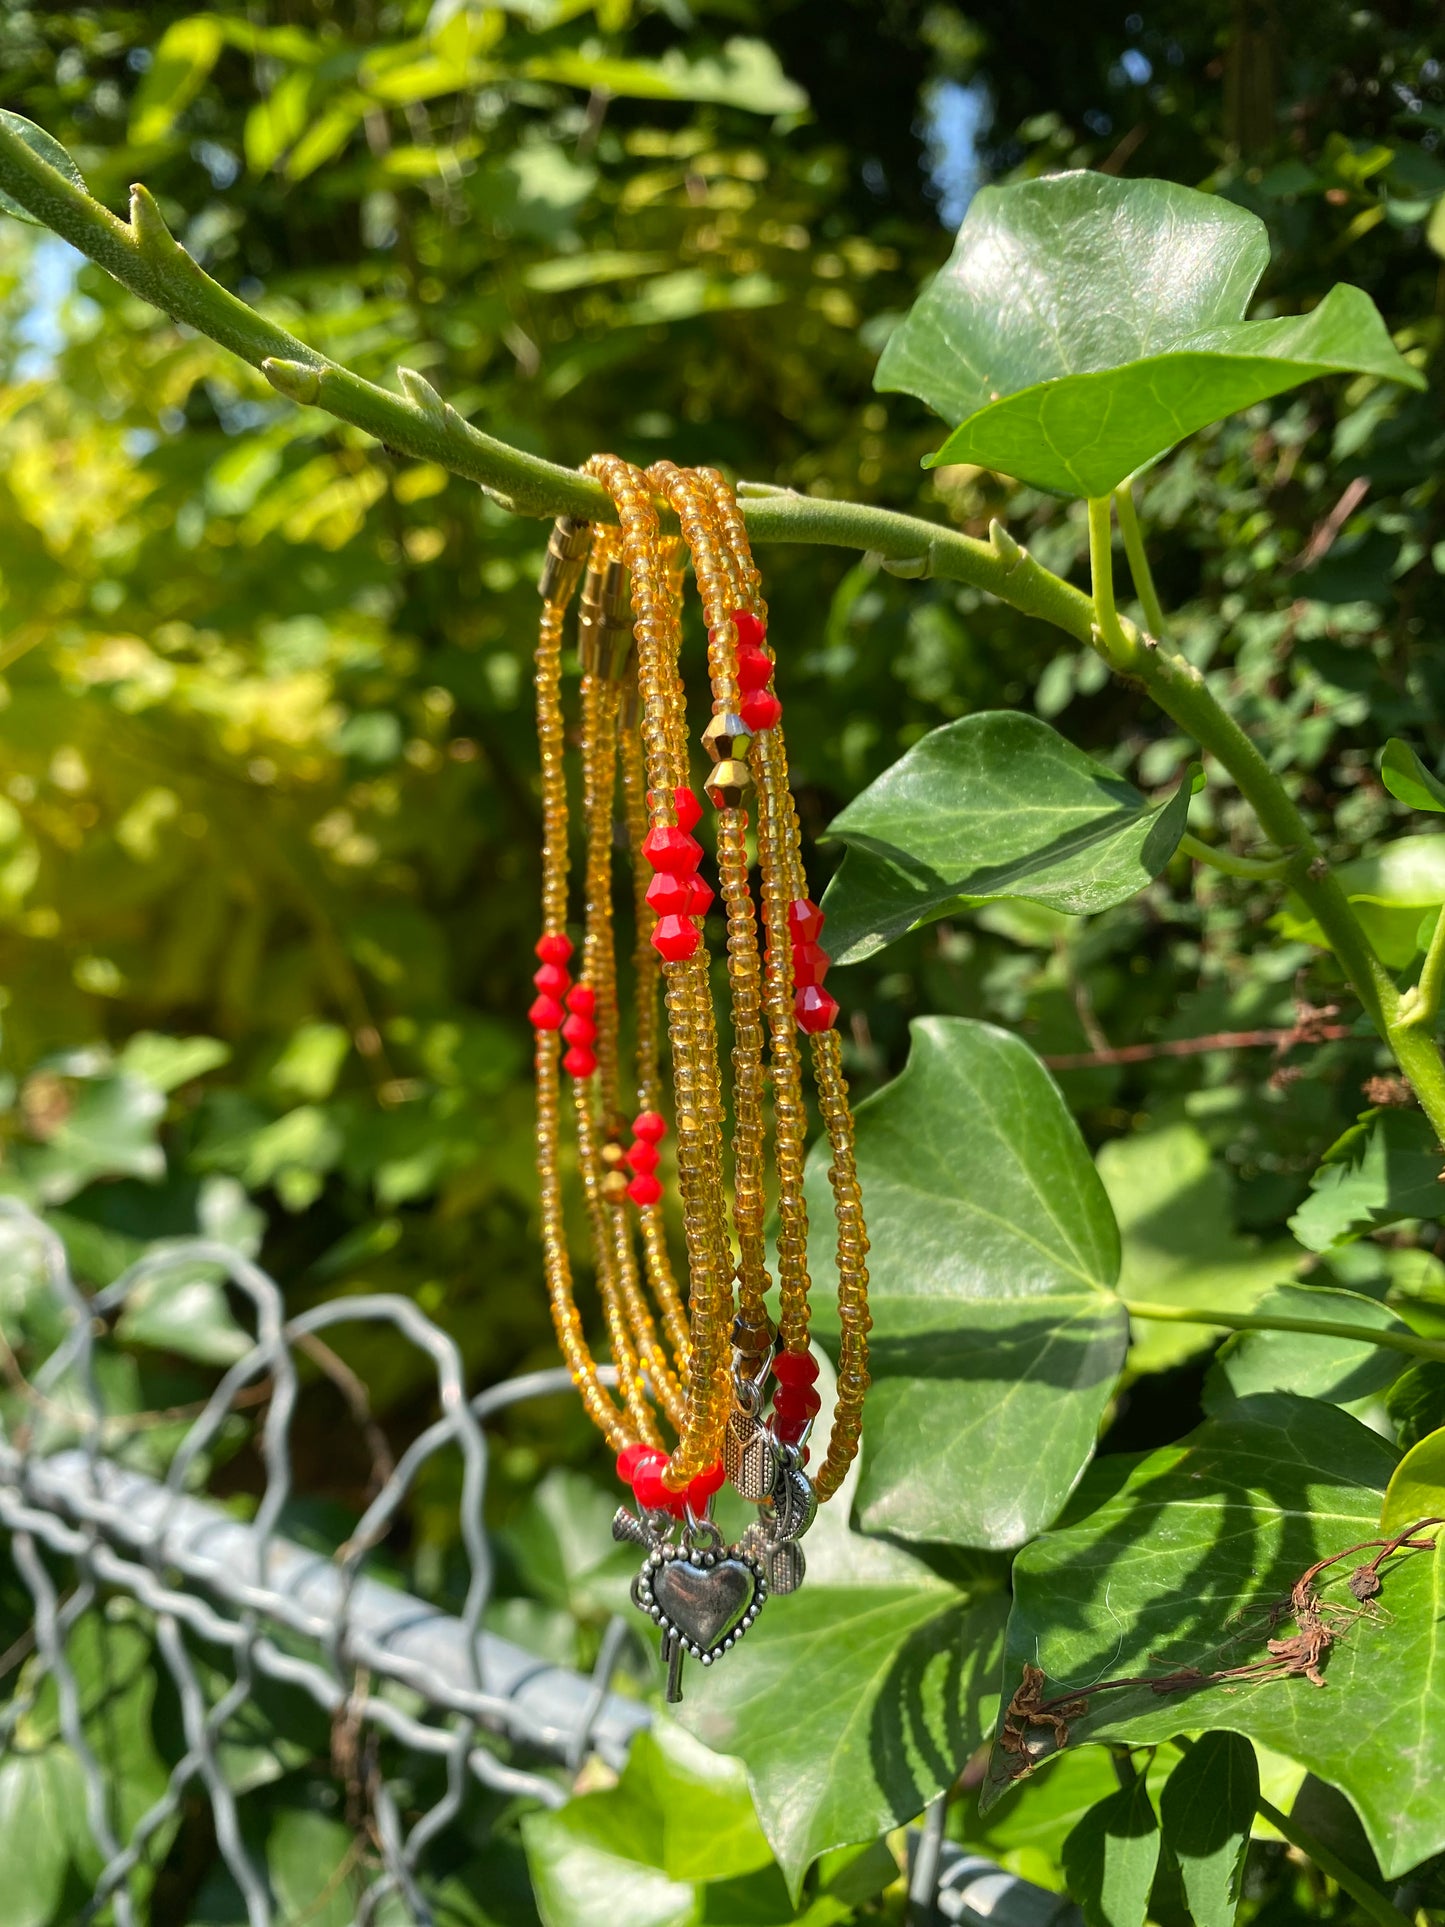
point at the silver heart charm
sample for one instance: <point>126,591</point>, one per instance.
<point>705,1599</point>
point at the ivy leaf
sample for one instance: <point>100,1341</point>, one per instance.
<point>1207,1810</point>
<point>1083,325</point>
<point>1110,1857</point>
<point>1179,1567</point>
<point>1339,1370</point>
<point>49,150</point>
<point>1417,1488</point>
<point>997,1336</point>
<point>1384,1168</point>
<point>1405,776</point>
<point>1416,1401</point>
<point>995,805</point>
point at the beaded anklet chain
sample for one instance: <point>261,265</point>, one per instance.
<point>703,1371</point>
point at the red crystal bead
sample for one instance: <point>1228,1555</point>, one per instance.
<point>795,1368</point>
<point>789,1430</point>
<point>649,1125</point>
<point>643,1156</point>
<point>791,1400</point>
<point>554,948</point>
<point>644,1189</point>
<point>631,1456</point>
<point>755,670</point>
<point>583,999</point>
<point>672,851</point>
<point>810,964</point>
<point>552,979</point>
<point>580,1030</point>
<point>699,897</point>
<point>805,920</point>
<point>670,896</point>
<point>704,1486</point>
<point>761,711</point>
<point>675,938</point>
<point>647,1485</point>
<point>579,1061</point>
<point>685,805</point>
<point>546,1014</point>
<point>751,629</point>
<point>814,1009</point>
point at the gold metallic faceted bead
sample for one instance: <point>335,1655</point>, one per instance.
<point>614,1187</point>
<point>727,738</point>
<point>729,784</point>
<point>567,547</point>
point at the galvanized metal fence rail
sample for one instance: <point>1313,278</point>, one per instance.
<point>436,1684</point>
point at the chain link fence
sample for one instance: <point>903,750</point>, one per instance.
<point>401,1681</point>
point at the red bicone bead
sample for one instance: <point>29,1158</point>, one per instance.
<point>789,1430</point>
<point>546,1014</point>
<point>810,964</point>
<point>686,807</point>
<point>644,1189</point>
<point>555,948</point>
<point>579,1061</point>
<point>650,1125</point>
<point>580,1030</point>
<point>814,1009</point>
<point>670,896</point>
<point>643,1156</point>
<point>672,851</point>
<point>675,938</point>
<point>795,1368</point>
<point>699,897</point>
<point>805,920</point>
<point>631,1456</point>
<point>704,1486</point>
<point>583,999</point>
<point>755,670</point>
<point>552,979</point>
<point>751,629</point>
<point>761,711</point>
<point>790,1400</point>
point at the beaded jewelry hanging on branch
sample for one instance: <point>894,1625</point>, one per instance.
<point>701,1363</point>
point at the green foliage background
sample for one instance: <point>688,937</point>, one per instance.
<point>267,810</point>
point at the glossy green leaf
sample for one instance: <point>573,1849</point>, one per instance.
<point>1206,1811</point>
<point>995,805</point>
<point>182,64</point>
<point>997,1337</point>
<point>1110,1857</point>
<point>49,150</point>
<point>1336,1369</point>
<point>746,74</point>
<point>1083,325</point>
<point>1385,1168</point>
<point>42,1794</point>
<point>1179,1568</point>
<point>104,1126</point>
<point>1175,1207</point>
<point>1417,1487</point>
<point>1391,890</point>
<point>1025,1831</point>
<point>852,1705</point>
<point>1416,1402</point>
<point>1405,776</point>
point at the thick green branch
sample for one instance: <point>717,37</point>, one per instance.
<point>1260,869</point>
<point>1242,1321</point>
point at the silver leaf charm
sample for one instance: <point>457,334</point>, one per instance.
<point>795,1503</point>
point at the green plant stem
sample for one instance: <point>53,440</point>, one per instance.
<point>1117,646</point>
<point>1242,1321</point>
<point>1421,1003</point>
<point>144,257</point>
<point>1369,1899</point>
<point>1262,869</point>
<point>1139,562</point>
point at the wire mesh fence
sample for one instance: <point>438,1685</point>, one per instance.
<point>416,1696</point>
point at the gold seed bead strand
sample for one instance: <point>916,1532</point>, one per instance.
<point>692,1024</point>
<point>714,567</point>
<point>781,882</point>
<point>599,766</point>
<point>556,1258</point>
<point>832,1087</point>
<point>658,1260</point>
